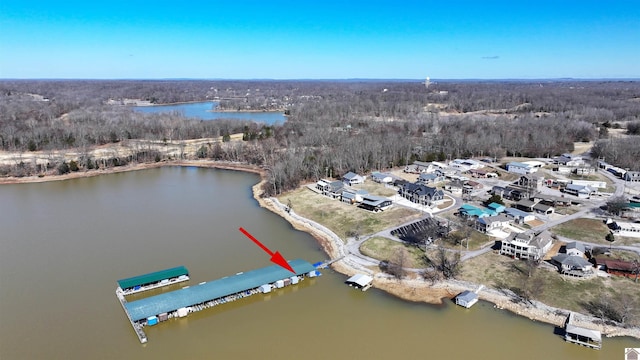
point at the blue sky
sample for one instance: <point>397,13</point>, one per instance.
<point>319,40</point>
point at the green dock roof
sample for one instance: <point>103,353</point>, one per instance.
<point>152,277</point>
<point>174,300</point>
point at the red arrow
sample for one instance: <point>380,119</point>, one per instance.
<point>276,258</point>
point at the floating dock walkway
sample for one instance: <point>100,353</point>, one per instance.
<point>179,303</point>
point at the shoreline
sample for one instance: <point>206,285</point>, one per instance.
<point>409,289</point>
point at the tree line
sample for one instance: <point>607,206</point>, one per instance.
<point>332,126</point>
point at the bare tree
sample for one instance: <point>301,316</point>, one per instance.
<point>397,263</point>
<point>443,262</point>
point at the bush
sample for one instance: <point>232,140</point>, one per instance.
<point>73,166</point>
<point>63,168</point>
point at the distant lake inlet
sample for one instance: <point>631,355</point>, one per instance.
<point>206,111</point>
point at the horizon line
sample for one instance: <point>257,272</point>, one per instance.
<point>556,79</point>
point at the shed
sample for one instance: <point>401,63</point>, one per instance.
<point>266,288</point>
<point>466,298</point>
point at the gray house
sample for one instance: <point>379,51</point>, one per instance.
<point>420,194</point>
<point>430,178</point>
<point>330,188</point>
<point>573,265</point>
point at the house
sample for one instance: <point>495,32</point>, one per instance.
<point>543,209</point>
<point>632,176</point>
<point>573,265</point>
<point>470,186</point>
<point>553,200</point>
<point>489,223</point>
<point>466,298</point>
<point>497,208</point>
<point>352,178</point>
<point>330,188</point>
<point>527,245</point>
<point>581,191</point>
<point>520,168</point>
<point>421,194</point>
<point>624,228</point>
<point>454,187</point>
<point>569,160</point>
<point>470,211</point>
<point>575,248</point>
<point>584,170</point>
<point>382,178</point>
<point>375,203</point>
<point>428,179</point>
<point>352,196</point>
<point>525,205</point>
<point>478,173</point>
<point>617,267</point>
<point>518,216</point>
<point>420,167</point>
<point>531,181</point>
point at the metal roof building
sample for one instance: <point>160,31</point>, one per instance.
<point>153,277</point>
<point>171,301</point>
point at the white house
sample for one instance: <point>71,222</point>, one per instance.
<point>569,160</point>
<point>382,178</point>
<point>581,191</point>
<point>520,168</point>
<point>527,245</point>
<point>632,176</point>
<point>575,249</point>
<point>352,178</point>
<point>489,223</point>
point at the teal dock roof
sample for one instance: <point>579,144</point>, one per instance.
<point>152,277</point>
<point>174,300</point>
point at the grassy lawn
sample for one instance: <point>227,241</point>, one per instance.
<point>498,271</point>
<point>376,189</point>
<point>342,218</point>
<point>383,249</point>
<point>476,240</point>
<point>591,230</point>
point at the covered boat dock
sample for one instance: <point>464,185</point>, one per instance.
<point>582,336</point>
<point>179,303</point>
<point>153,280</point>
<point>360,281</point>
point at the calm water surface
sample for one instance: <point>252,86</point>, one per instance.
<point>203,110</point>
<point>64,244</point>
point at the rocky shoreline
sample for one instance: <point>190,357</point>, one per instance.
<point>411,289</point>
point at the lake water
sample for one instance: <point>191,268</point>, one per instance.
<point>204,111</point>
<point>64,244</point>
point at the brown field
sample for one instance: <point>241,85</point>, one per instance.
<point>344,219</point>
<point>500,271</point>
<point>383,249</point>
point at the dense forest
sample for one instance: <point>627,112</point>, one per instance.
<point>332,126</point>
